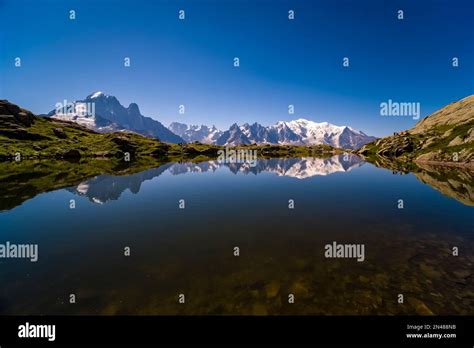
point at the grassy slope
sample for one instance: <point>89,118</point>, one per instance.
<point>89,143</point>
<point>445,137</point>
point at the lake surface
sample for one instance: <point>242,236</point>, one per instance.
<point>190,251</point>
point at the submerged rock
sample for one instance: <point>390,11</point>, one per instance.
<point>259,309</point>
<point>272,289</point>
<point>419,306</point>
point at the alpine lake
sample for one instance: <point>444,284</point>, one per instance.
<point>208,238</point>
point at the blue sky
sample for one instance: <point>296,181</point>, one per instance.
<point>282,62</point>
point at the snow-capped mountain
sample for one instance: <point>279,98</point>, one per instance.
<point>104,113</point>
<point>312,133</point>
<point>297,132</point>
<point>191,133</point>
<point>233,136</point>
<point>275,134</point>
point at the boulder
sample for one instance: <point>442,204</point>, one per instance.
<point>70,154</point>
<point>20,116</point>
<point>125,144</point>
<point>59,133</point>
<point>22,134</point>
<point>161,150</point>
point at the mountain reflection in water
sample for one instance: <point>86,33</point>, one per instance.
<point>103,188</point>
<point>190,250</point>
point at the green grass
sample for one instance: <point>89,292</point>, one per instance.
<point>90,144</point>
<point>439,147</point>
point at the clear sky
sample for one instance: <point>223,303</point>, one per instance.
<point>282,62</point>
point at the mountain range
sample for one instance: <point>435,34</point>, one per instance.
<point>110,116</point>
<point>297,132</point>
<point>191,133</point>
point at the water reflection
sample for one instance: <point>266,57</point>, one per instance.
<point>189,250</point>
<point>103,181</point>
<point>103,188</point>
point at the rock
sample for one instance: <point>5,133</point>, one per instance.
<point>259,309</point>
<point>258,285</point>
<point>125,144</point>
<point>462,273</point>
<point>429,271</point>
<point>20,116</point>
<point>103,154</point>
<point>8,121</point>
<point>406,146</point>
<point>254,293</point>
<point>69,154</point>
<point>11,108</point>
<point>272,289</point>
<point>59,133</point>
<point>25,118</point>
<point>420,307</point>
<point>191,151</point>
<point>161,150</point>
<point>299,290</point>
<point>22,134</point>
<point>3,108</point>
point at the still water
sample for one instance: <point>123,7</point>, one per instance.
<point>191,251</point>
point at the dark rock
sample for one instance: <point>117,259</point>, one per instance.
<point>7,121</point>
<point>125,144</point>
<point>384,152</point>
<point>191,151</point>
<point>20,116</point>
<point>69,154</point>
<point>161,150</point>
<point>406,146</point>
<point>22,134</point>
<point>103,154</point>
<point>25,118</point>
<point>12,108</point>
<point>59,133</point>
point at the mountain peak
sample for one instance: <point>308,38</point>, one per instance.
<point>95,95</point>
<point>133,107</point>
<point>109,115</point>
<point>191,133</point>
